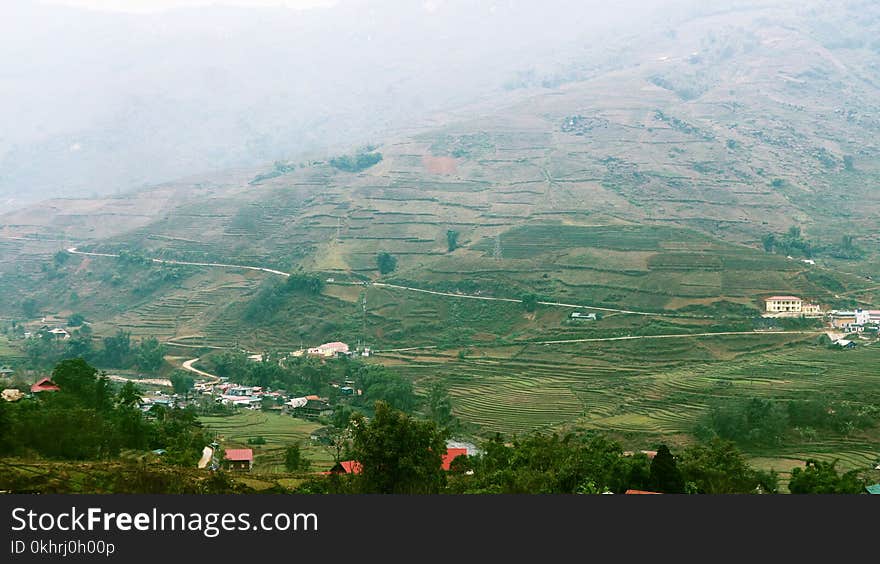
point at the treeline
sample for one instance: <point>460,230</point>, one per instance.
<point>118,351</point>
<point>765,422</point>
<point>305,376</point>
<point>793,243</point>
<point>88,420</point>
<point>356,163</point>
<point>400,454</point>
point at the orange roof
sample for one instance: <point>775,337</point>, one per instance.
<point>45,385</point>
<point>642,492</point>
<point>351,466</point>
<point>452,454</point>
<point>240,454</point>
<point>315,398</point>
<point>782,298</point>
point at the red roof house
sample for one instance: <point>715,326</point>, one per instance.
<point>45,385</point>
<point>239,459</point>
<point>452,454</point>
<point>347,467</point>
<point>642,492</point>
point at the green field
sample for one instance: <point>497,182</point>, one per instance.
<point>9,351</point>
<point>280,431</point>
<point>645,393</point>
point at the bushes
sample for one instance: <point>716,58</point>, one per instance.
<point>356,163</point>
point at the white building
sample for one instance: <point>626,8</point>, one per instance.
<point>329,350</point>
<point>787,304</point>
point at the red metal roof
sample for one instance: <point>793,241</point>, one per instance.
<point>782,298</point>
<point>452,454</point>
<point>45,385</point>
<point>240,454</point>
<point>351,466</point>
<point>642,492</point>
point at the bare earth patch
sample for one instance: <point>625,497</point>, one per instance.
<point>440,165</point>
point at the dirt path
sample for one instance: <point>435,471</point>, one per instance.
<point>610,339</point>
<point>188,366</point>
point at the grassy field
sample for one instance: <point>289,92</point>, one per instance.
<point>643,393</point>
<point>280,431</point>
<point>9,351</point>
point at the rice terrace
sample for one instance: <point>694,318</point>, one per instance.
<point>675,244</point>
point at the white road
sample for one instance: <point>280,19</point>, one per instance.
<point>74,251</point>
<point>610,339</point>
<point>188,366</point>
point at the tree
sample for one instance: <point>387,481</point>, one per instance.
<point>769,242</point>
<point>76,320</point>
<point>386,262</point>
<point>451,240</point>
<point>719,468</point>
<point>529,302</point>
<point>819,477</point>
<point>294,461</point>
<point>440,405</point>
<point>398,454</point>
<point>665,476</point>
<point>182,383</point>
<point>60,258</point>
<point>77,380</point>
<point>129,394</point>
<point>30,308</point>
<point>150,355</point>
<point>117,349</point>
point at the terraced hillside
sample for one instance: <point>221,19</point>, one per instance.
<point>650,391</point>
<point>645,182</point>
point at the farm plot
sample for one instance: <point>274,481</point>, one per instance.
<point>279,431</point>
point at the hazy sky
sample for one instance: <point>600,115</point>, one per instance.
<point>99,96</point>
<point>144,6</point>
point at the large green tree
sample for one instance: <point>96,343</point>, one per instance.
<point>819,477</point>
<point>719,468</point>
<point>386,262</point>
<point>150,355</point>
<point>398,454</point>
<point>665,475</point>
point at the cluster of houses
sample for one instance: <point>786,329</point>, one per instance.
<point>55,333</point>
<point>842,321</point>
<point>851,321</point>
<point>332,350</point>
<point>42,386</point>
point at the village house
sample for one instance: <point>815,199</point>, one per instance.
<point>784,304</point>
<point>354,467</point>
<point>310,407</point>
<point>791,305</point>
<point>12,394</point>
<point>45,385</point>
<point>241,459</point>
<point>853,321</point>
<point>59,334</point>
<point>329,350</point>
<point>581,315</point>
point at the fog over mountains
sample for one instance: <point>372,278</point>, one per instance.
<point>96,102</point>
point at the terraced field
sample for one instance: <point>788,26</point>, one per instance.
<point>643,392</point>
<point>280,431</point>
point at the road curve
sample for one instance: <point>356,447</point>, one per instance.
<point>188,366</point>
